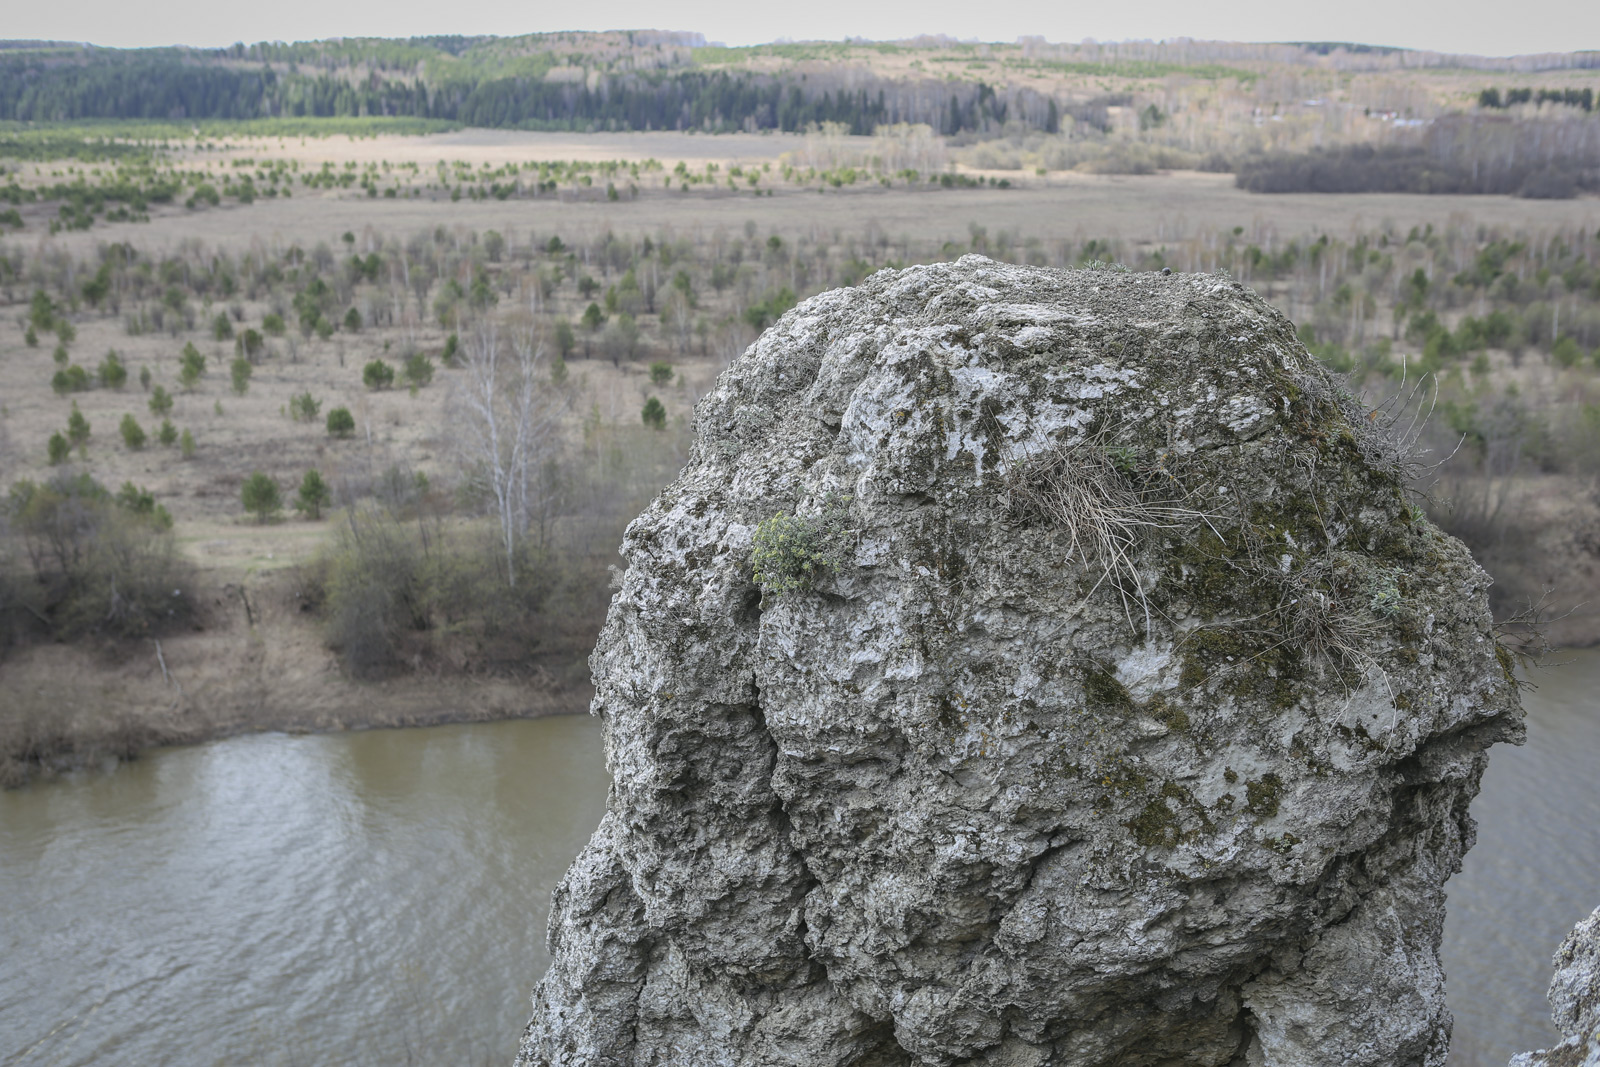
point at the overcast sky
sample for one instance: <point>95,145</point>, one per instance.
<point>1485,27</point>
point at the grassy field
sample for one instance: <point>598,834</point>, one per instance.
<point>680,276</point>
<point>1056,206</point>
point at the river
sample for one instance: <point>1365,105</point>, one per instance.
<point>380,897</point>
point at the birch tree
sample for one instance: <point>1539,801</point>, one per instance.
<point>508,424</point>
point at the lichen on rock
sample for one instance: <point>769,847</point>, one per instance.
<point>1133,719</point>
<point>1574,1001</point>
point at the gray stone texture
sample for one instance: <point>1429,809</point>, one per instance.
<point>982,795</point>
<point>1574,1001</point>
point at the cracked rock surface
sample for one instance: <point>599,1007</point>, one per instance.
<point>980,794</point>
<point>1574,1001</point>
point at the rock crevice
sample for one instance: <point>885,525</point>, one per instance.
<point>1028,667</point>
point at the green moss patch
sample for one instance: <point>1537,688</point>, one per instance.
<point>1261,798</point>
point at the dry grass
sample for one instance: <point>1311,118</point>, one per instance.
<point>1084,488</point>
<point>1165,208</point>
<point>1108,507</point>
<point>255,432</point>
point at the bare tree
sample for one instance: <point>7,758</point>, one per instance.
<point>508,425</point>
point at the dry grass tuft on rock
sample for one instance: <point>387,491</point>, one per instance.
<point>1092,490</point>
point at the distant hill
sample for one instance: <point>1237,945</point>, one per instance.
<point>643,80</point>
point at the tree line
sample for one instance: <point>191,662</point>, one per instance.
<point>59,86</point>
<point>1493,98</point>
<point>1488,154</point>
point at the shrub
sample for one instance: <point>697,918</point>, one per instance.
<point>221,327</point>
<point>403,591</point>
<point>241,369</point>
<point>654,415</point>
<point>168,434</point>
<point>1384,597</point>
<point>101,562</point>
<point>1566,352</point>
<point>452,348</point>
<point>789,553</point>
<point>191,366</point>
<point>312,495</point>
<point>763,314</point>
<point>144,378</point>
<point>352,320</point>
<point>377,375</point>
<point>30,337</point>
<point>77,427</point>
<point>272,324</point>
<point>60,448</point>
<point>260,496</point>
<point>59,355</point>
<point>73,379</point>
<point>324,329</point>
<point>186,444</point>
<point>132,433</point>
<point>141,501</point>
<point>113,373</point>
<point>250,345</point>
<point>160,401</point>
<point>660,373</point>
<point>41,310</point>
<point>418,369</point>
<point>303,407</point>
<point>341,423</point>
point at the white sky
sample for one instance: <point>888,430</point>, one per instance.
<point>1484,27</point>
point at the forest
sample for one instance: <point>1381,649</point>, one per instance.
<point>62,86</point>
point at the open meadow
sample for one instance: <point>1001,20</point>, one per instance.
<point>1056,206</point>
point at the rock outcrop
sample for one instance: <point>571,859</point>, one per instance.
<point>1574,1001</point>
<point>1029,668</point>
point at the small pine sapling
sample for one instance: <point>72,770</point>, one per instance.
<point>260,496</point>
<point>241,369</point>
<point>313,495</point>
<point>132,433</point>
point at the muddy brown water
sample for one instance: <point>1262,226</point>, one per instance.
<point>380,897</point>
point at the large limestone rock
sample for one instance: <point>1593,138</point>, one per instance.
<point>1107,702</point>
<point>1574,1001</point>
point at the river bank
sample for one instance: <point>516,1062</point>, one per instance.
<point>76,704</point>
